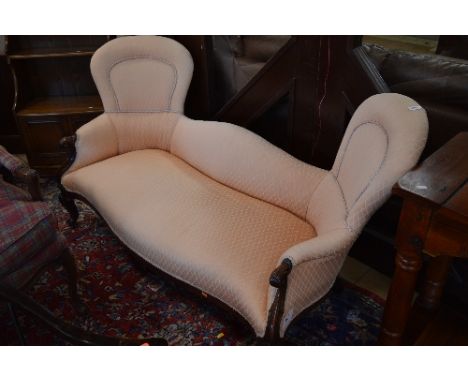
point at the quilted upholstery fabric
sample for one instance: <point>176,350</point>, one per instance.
<point>218,207</point>
<point>142,74</point>
<point>217,239</point>
<point>247,163</point>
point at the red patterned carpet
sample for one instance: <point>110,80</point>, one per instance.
<point>124,300</point>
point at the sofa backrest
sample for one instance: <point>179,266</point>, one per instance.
<point>246,162</point>
<point>142,74</point>
<point>383,141</point>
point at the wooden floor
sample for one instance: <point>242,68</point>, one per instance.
<point>447,327</point>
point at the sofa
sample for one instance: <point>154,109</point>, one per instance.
<point>438,83</point>
<point>217,207</point>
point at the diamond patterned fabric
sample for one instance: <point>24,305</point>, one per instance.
<point>215,238</point>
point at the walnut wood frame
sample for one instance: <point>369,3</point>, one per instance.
<point>278,278</point>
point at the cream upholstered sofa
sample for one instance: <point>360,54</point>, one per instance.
<point>218,207</point>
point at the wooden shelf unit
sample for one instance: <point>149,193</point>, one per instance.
<point>61,106</point>
<point>50,53</point>
<point>54,92</point>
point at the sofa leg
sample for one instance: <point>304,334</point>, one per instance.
<point>279,280</point>
<point>68,202</point>
<point>69,264</point>
<point>65,198</point>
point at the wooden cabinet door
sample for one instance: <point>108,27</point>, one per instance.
<point>42,137</point>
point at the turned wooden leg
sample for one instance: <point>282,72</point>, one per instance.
<point>433,288</point>
<point>68,203</point>
<point>413,225</point>
<point>69,265</point>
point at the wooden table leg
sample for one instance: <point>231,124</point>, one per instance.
<point>434,282</point>
<point>412,227</point>
<point>428,301</point>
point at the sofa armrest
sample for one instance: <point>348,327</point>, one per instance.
<point>332,243</point>
<point>95,141</point>
<point>21,172</point>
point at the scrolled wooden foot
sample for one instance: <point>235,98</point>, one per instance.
<point>65,198</point>
<point>68,203</point>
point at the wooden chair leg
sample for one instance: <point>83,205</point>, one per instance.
<point>69,265</point>
<point>14,317</point>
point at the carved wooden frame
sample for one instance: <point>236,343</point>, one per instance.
<point>278,278</point>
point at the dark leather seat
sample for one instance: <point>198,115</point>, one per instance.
<point>438,83</point>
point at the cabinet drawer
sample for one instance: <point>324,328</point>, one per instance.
<point>42,135</point>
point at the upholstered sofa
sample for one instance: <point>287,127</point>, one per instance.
<point>218,207</point>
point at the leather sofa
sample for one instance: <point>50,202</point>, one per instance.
<point>438,83</point>
<point>219,208</point>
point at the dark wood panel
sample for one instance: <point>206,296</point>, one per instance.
<point>54,92</point>
<point>448,163</point>
<point>9,135</point>
<point>308,71</point>
<point>62,106</point>
<point>25,44</point>
<point>199,103</point>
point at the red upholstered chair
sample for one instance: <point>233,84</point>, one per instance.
<point>29,240</point>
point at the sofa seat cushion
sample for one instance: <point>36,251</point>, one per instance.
<point>194,228</point>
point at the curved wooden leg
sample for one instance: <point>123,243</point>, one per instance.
<point>68,202</point>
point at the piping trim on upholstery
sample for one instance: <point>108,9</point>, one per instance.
<point>143,57</point>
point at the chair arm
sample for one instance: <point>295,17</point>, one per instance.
<point>327,244</point>
<point>93,142</point>
<point>279,276</point>
<point>20,171</point>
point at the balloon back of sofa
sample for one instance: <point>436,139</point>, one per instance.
<point>383,141</point>
<point>142,74</point>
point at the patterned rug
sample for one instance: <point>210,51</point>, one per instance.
<point>124,300</point>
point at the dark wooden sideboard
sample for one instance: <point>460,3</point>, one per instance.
<point>54,92</point>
